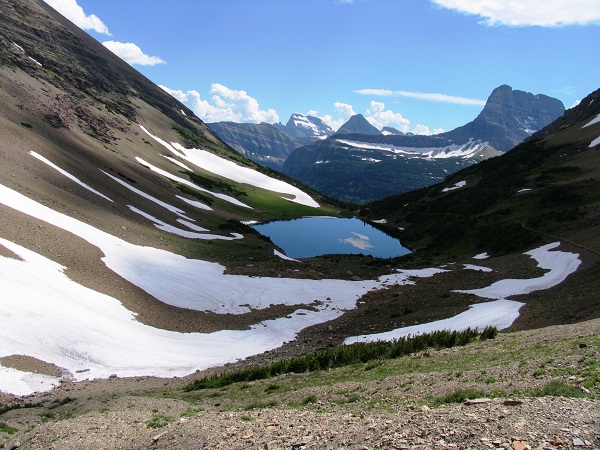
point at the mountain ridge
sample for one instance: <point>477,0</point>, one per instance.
<point>333,166</point>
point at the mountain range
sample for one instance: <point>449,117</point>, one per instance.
<point>126,251</point>
<point>366,165</point>
<point>345,164</point>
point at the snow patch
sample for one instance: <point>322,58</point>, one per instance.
<point>595,142</point>
<point>456,186</point>
<point>477,268</point>
<point>232,171</point>
<point>593,121</point>
<point>68,175</point>
<point>282,256</point>
<point>500,313</point>
<point>560,266</point>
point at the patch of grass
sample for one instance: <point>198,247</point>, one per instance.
<point>459,396</point>
<point>159,421</point>
<point>312,398</point>
<point>257,404</point>
<point>64,401</point>
<point>7,429</point>
<point>557,388</point>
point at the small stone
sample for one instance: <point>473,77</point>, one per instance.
<point>582,345</point>
<point>113,376</point>
<point>512,402</point>
<point>578,442</point>
<point>519,445</point>
<point>158,436</point>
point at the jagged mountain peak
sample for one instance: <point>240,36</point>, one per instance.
<point>509,117</point>
<point>305,126</point>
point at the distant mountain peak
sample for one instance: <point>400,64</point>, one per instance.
<point>510,116</point>
<point>357,124</point>
<point>304,126</point>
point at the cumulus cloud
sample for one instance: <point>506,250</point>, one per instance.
<point>72,11</point>
<point>132,54</point>
<point>518,13</point>
<point>224,105</point>
<point>343,112</point>
<point>424,129</point>
<point>379,117</point>
<point>432,97</point>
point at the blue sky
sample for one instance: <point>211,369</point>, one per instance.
<point>417,65</point>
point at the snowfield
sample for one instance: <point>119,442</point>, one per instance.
<point>92,335</point>
<point>467,150</point>
<point>500,313</point>
<point>232,171</point>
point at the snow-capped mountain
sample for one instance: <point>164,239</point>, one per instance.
<point>387,162</point>
<point>303,126</point>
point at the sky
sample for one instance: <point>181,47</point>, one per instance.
<point>423,66</point>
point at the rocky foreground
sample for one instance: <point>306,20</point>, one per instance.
<point>537,389</point>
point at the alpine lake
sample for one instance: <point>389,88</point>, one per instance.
<point>314,236</point>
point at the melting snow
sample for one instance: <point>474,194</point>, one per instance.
<point>559,264</point>
<point>593,121</point>
<point>166,174</point>
<point>232,171</point>
<point>481,256</point>
<point>456,186</point>
<point>68,175</point>
<point>500,313</point>
<point>168,207</point>
<point>78,329</point>
<point>466,150</point>
<point>282,256</point>
<point>195,203</point>
<point>477,268</point>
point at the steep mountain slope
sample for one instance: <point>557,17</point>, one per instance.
<point>359,167</point>
<point>262,143</point>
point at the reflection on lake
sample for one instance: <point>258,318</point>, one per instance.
<point>313,236</point>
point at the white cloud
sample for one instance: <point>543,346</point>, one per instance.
<point>433,97</point>
<point>379,117</point>
<point>424,129</point>
<point>132,54</point>
<point>343,112</point>
<point>518,13</point>
<point>72,11</point>
<point>225,105</point>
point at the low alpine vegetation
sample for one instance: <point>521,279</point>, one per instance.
<point>345,355</point>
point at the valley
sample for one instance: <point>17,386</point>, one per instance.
<point>129,268</point>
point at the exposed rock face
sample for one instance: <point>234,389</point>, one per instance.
<point>509,117</point>
<point>262,142</point>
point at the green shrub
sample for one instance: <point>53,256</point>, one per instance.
<point>558,388</point>
<point>344,355</point>
<point>459,396</point>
